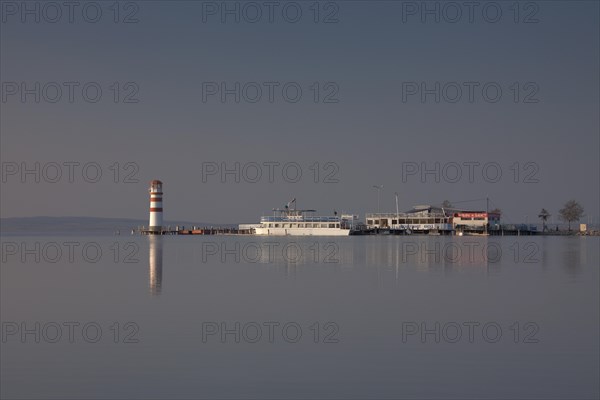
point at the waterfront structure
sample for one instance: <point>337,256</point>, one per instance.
<point>476,221</point>
<point>433,220</point>
<point>290,221</point>
<point>421,219</point>
<point>156,207</point>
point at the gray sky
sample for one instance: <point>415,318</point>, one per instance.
<point>368,126</point>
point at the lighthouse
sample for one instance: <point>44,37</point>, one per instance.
<point>156,208</point>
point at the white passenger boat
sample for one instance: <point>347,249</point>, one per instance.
<point>294,222</point>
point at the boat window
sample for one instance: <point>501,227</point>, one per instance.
<point>337,225</point>
<point>332,225</point>
<point>300,225</point>
<point>369,222</point>
<point>323,225</point>
<point>276,225</point>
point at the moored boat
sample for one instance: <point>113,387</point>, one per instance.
<point>290,221</point>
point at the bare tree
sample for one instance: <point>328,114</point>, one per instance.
<point>447,204</point>
<point>572,211</point>
<point>543,215</point>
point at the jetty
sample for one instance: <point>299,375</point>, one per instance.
<point>210,230</point>
<point>421,219</point>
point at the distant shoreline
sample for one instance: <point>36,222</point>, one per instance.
<point>60,226</point>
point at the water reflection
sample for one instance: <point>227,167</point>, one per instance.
<point>574,255</point>
<point>377,284</point>
<point>426,254</point>
<point>156,263</point>
<point>386,258</point>
<point>286,253</point>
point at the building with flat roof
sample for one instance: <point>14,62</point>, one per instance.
<point>476,221</point>
<point>436,220</point>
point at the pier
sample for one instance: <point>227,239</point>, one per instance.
<point>420,220</point>
<point>502,230</point>
<point>212,230</point>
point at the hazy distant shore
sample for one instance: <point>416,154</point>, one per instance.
<point>60,226</point>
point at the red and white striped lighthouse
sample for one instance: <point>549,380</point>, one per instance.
<point>156,207</point>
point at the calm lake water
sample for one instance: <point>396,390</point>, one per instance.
<point>248,317</point>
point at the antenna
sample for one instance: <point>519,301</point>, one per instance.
<point>290,203</point>
<point>487,214</point>
<point>378,187</point>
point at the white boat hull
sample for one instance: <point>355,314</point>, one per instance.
<point>302,232</point>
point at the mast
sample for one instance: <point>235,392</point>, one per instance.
<point>487,213</point>
<point>397,213</point>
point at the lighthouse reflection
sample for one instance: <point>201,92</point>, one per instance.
<point>155,261</point>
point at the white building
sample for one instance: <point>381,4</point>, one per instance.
<point>430,219</point>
